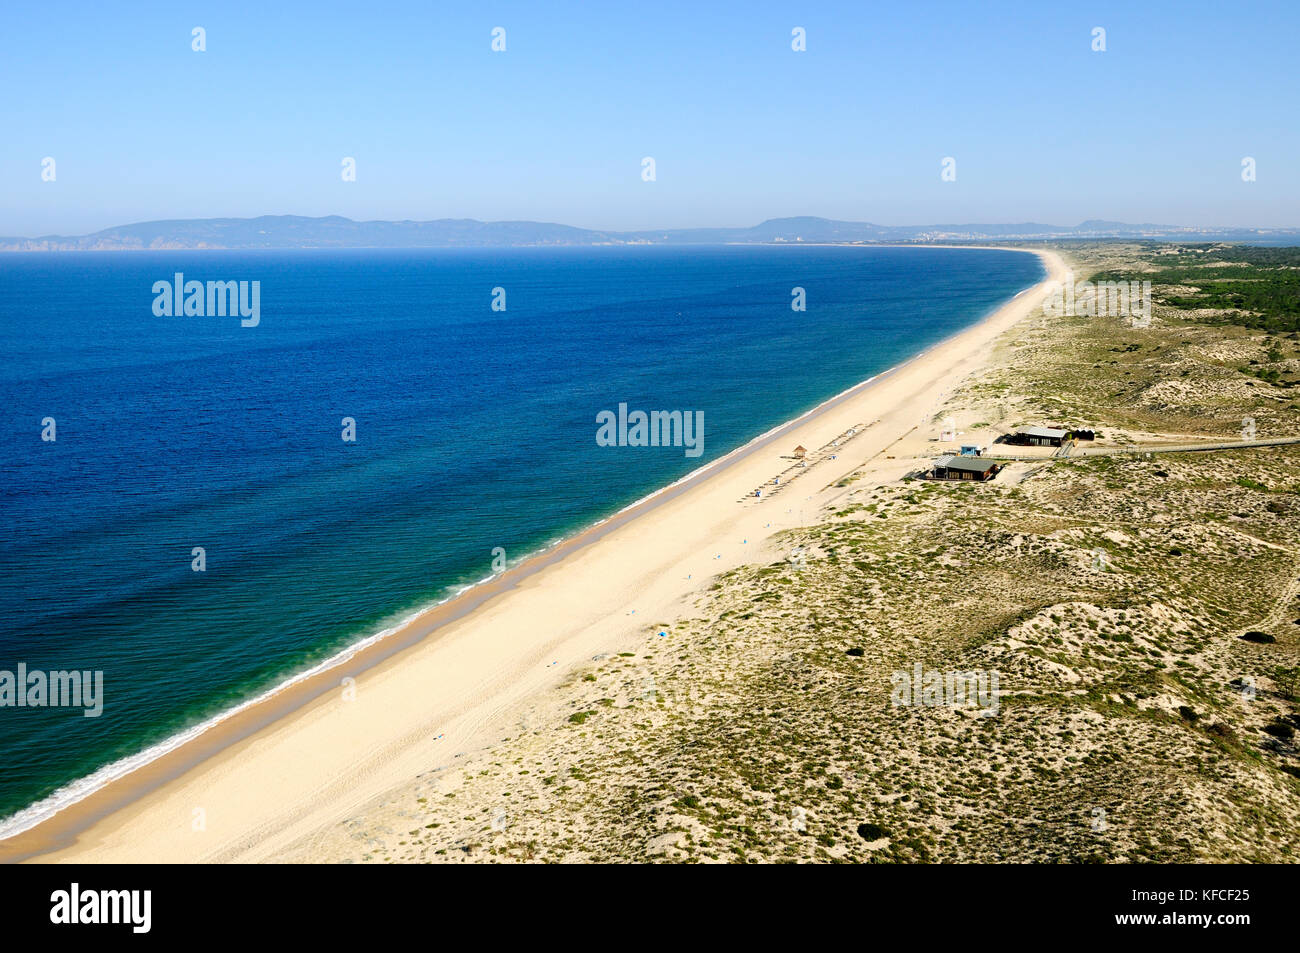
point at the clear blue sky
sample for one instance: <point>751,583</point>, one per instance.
<point>741,127</point>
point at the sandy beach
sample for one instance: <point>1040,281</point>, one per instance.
<point>312,756</point>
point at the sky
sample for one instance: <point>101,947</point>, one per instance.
<point>741,126</point>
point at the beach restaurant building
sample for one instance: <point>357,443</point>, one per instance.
<point>950,467</point>
<point>1040,437</point>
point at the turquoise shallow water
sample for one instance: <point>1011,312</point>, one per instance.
<point>475,429</point>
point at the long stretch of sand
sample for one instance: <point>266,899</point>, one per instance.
<point>312,756</point>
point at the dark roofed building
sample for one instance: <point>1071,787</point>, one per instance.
<point>950,467</point>
<point>1039,437</point>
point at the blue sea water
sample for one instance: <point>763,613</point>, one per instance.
<point>475,429</point>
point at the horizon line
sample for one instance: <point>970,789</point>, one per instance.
<point>655,228</point>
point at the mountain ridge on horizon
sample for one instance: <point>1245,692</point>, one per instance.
<point>337,231</point>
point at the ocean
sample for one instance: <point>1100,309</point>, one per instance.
<point>475,441</point>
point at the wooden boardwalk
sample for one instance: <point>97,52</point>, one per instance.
<point>1074,451</point>
<point>806,464</point>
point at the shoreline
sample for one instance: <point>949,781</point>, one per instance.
<point>85,824</point>
<point>124,767</point>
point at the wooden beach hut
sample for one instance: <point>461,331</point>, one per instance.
<point>952,467</point>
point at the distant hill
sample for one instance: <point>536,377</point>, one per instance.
<point>334,231</point>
